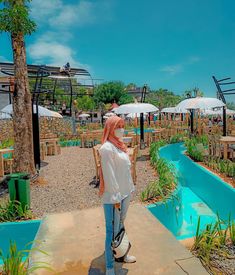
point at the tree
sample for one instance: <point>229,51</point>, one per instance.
<point>126,98</point>
<point>109,92</point>
<point>162,98</point>
<point>14,19</point>
<point>85,103</point>
<point>231,105</point>
<point>192,93</point>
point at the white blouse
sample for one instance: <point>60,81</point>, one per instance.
<point>116,168</point>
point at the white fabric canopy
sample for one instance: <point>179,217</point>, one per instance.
<point>136,108</point>
<point>174,110</point>
<point>110,114</point>
<point>202,103</point>
<point>56,114</point>
<point>218,112</point>
<point>84,115</point>
<point>5,116</point>
<point>42,111</point>
<point>132,115</point>
<point>168,110</point>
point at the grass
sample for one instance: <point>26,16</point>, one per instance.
<point>13,211</point>
<point>161,188</point>
<point>214,240</point>
<point>17,263</point>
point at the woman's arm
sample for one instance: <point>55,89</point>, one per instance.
<point>109,174</point>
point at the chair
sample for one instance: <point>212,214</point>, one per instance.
<point>8,165</point>
<point>97,161</point>
<point>133,164</point>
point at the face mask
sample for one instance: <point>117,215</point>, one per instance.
<point>119,132</point>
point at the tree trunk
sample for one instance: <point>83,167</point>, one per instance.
<point>22,110</point>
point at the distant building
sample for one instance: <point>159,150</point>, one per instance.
<point>136,92</point>
<point>4,97</point>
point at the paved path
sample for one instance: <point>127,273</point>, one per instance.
<point>75,242</point>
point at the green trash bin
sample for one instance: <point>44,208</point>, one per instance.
<point>12,186</point>
<point>19,188</point>
<point>24,190</point>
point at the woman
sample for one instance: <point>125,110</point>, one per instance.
<point>116,185</point>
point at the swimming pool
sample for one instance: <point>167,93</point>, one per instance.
<point>21,232</point>
<point>199,193</point>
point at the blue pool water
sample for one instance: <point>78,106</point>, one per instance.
<point>21,232</point>
<point>199,193</point>
<point>137,130</point>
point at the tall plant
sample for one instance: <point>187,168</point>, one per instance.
<point>14,19</point>
<point>17,263</point>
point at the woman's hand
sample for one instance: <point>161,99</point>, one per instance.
<point>117,205</point>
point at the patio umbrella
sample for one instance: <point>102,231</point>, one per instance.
<point>201,103</point>
<point>132,115</point>
<point>174,110</point>
<point>137,108</point>
<point>5,116</point>
<point>42,111</point>
<point>171,110</point>
<point>109,114</point>
<point>84,116</point>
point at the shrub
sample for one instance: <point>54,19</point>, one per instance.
<point>17,263</point>
<point>13,211</point>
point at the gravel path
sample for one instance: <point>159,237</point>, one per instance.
<point>69,181</point>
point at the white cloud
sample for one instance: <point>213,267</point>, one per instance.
<point>42,10</point>
<point>47,50</point>
<point>178,68</point>
<point>54,53</point>
<point>62,15</point>
<point>172,69</point>
<point>74,15</point>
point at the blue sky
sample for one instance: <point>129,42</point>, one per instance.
<point>170,44</point>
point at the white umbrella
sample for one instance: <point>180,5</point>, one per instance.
<point>131,115</point>
<point>42,111</point>
<point>136,108</point>
<point>168,110</point>
<point>173,110</point>
<point>109,114</point>
<point>84,115</point>
<point>5,116</point>
<point>56,114</point>
<point>203,103</point>
<point>218,112</point>
<point>230,112</point>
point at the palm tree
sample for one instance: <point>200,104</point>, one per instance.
<point>14,19</point>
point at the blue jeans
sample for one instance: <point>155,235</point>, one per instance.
<point>119,217</point>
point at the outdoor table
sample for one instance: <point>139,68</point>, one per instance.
<point>128,140</point>
<point>2,152</point>
<point>225,141</point>
<point>53,141</point>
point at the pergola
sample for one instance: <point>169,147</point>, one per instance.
<point>39,73</point>
<point>221,93</point>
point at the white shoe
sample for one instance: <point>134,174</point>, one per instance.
<point>129,259</point>
<point>110,271</point>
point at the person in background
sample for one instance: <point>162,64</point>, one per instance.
<point>210,124</point>
<point>116,185</point>
<point>63,109</point>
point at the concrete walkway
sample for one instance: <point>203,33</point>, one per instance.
<point>75,242</point>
